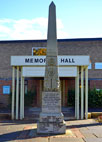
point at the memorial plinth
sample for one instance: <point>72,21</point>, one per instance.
<point>51,118</point>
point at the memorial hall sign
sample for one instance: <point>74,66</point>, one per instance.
<point>40,60</point>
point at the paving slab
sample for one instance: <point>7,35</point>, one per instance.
<point>95,128</point>
<point>38,140</point>
<point>98,134</point>
<point>89,135</point>
<point>96,131</point>
<point>77,133</point>
<point>66,140</point>
<point>93,139</point>
<point>85,131</point>
<point>32,140</point>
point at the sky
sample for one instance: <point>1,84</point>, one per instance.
<point>27,19</point>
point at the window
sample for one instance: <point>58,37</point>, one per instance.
<point>26,86</point>
<point>98,65</point>
<point>37,51</point>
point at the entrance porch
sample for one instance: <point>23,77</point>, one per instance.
<point>77,69</point>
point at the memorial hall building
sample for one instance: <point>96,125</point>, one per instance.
<point>34,52</point>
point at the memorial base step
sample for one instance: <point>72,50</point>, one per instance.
<point>51,127</point>
<point>51,117</point>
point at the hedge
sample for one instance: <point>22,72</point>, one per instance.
<point>94,98</point>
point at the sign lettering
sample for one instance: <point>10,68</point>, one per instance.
<point>67,60</point>
<point>40,60</point>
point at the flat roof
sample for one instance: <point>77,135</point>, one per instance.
<point>44,40</point>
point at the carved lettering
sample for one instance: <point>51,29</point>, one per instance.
<point>50,101</point>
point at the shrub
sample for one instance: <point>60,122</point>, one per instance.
<point>94,98</point>
<point>28,98</point>
<point>71,97</point>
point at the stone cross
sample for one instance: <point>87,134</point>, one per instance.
<point>51,119</point>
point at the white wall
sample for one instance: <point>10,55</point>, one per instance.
<point>40,71</point>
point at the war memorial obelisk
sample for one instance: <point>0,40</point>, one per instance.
<point>51,119</point>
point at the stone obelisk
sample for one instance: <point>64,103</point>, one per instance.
<point>51,119</point>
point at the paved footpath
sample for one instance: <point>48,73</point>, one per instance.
<point>77,131</point>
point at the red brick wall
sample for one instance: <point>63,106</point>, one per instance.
<point>4,98</point>
<point>35,84</point>
<point>31,84</point>
<point>4,101</point>
<point>71,84</point>
<point>91,84</point>
<point>95,84</point>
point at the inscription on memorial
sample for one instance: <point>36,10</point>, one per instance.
<point>51,102</point>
